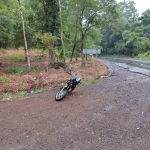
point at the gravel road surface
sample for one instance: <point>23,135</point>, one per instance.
<point>111,115</point>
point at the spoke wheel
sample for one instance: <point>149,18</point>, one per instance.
<point>60,94</point>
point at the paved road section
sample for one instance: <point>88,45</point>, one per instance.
<point>133,64</point>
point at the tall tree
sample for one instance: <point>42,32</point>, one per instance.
<point>6,23</point>
<point>60,7</point>
<point>91,13</point>
<point>26,49</point>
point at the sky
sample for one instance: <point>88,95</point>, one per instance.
<point>141,5</point>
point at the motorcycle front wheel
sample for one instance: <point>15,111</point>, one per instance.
<point>60,94</point>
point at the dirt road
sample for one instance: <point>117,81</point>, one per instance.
<point>111,115</point>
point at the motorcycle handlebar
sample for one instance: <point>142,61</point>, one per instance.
<point>69,73</point>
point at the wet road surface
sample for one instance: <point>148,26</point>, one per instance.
<point>133,64</point>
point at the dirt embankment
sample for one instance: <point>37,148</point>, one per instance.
<point>50,78</point>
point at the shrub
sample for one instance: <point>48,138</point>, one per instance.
<point>15,70</point>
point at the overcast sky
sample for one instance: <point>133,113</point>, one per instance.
<point>141,5</point>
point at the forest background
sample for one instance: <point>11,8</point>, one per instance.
<point>116,28</point>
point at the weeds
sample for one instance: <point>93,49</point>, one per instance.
<point>40,90</point>
<point>145,55</point>
<point>104,74</point>
<point>96,77</point>
<point>38,51</point>
<point>20,95</point>
<point>90,82</point>
<point>3,51</point>
<point>15,70</point>
<point>16,58</point>
<point>20,86</point>
<point>20,70</point>
<point>4,80</point>
<point>6,95</point>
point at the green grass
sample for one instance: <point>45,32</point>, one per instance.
<point>20,70</point>
<point>145,56</point>
<point>20,95</point>
<point>38,51</point>
<point>16,58</point>
<point>40,90</point>
<point>4,80</point>
<point>3,51</point>
<point>121,56</point>
<point>90,82</point>
<point>15,70</point>
<point>9,96</point>
<point>104,74</point>
<point>6,96</point>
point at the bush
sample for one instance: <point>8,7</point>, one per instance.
<point>15,70</point>
<point>20,70</point>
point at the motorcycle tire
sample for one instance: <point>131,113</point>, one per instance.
<point>71,89</point>
<point>59,96</point>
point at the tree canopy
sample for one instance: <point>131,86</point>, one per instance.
<point>114,27</point>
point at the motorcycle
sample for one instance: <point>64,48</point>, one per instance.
<point>69,86</point>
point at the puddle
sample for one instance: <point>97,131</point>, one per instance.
<point>133,64</point>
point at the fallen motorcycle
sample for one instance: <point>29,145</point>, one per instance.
<point>69,86</point>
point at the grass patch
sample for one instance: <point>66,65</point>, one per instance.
<point>145,55</point>
<point>41,90</point>
<point>9,96</point>
<point>15,70</point>
<point>3,51</point>
<point>20,70</point>
<point>38,51</point>
<point>6,96</point>
<point>20,95</point>
<point>4,80</point>
<point>121,56</point>
<point>90,82</point>
<point>104,74</point>
<point>16,58</point>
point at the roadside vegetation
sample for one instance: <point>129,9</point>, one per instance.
<point>16,80</point>
<point>130,35</point>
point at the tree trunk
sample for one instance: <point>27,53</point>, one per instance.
<point>27,55</point>
<point>49,56</point>
<point>76,55</point>
<point>74,46</point>
<point>82,49</point>
<point>53,55</point>
<point>61,30</point>
<point>72,53</point>
<point>75,40</point>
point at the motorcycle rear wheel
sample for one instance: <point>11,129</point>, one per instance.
<point>60,94</point>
